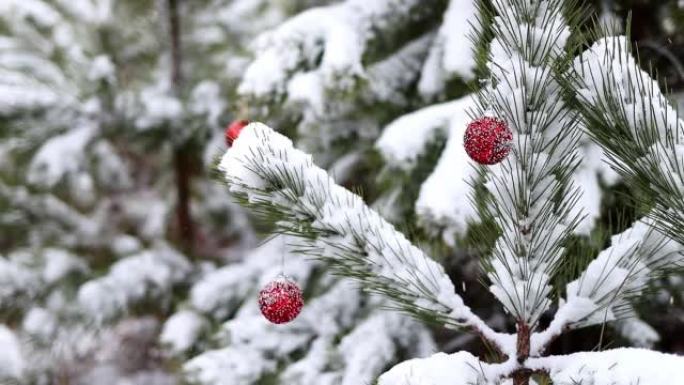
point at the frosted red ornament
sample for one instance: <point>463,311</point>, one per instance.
<point>281,300</point>
<point>233,130</point>
<point>488,140</point>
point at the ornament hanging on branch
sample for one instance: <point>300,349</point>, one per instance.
<point>233,130</point>
<point>488,140</point>
<point>280,301</point>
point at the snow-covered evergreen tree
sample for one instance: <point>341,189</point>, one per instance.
<point>122,263</point>
<point>110,113</point>
<point>545,191</point>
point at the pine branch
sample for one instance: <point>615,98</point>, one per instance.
<point>337,40</point>
<point>625,111</point>
<point>619,273</point>
<point>50,208</point>
<point>280,183</point>
<point>532,197</point>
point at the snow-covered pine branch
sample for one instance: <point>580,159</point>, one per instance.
<point>620,273</point>
<point>625,366</point>
<point>347,338</point>
<point>532,194</point>
<point>84,96</point>
<point>281,183</point>
<point>343,70</point>
<point>626,112</point>
<point>443,206</point>
<point>149,275</point>
<point>338,35</point>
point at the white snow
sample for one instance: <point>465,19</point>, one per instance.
<point>637,332</point>
<point>11,361</point>
<point>206,100</point>
<point>446,197</point>
<point>94,11</point>
<point>371,347</point>
<point>16,282</point>
<point>40,323</point>
<point>586,179</point>
<point>228,366</point>
<point>263,166</point>
<point>181,330</point>
<point>159,107</point>
<point>220,292</point>
<point>60,155</point>
<point>59,263</point>
<point>299,40</point>
<point>124,245</point>
<point>460,368</point>
<point>42,13</point>
<point>624,268</point>
<point>625,366</point>
<point>148,274</point>
<point>390,79</point>
<point>407,138</point>
<point>102,68</point>
<point>337,34</point>
<point>522,186</point>
<point>452,53</point>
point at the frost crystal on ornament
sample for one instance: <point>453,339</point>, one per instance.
<point>233,130</point>
<point>281,300</point>
<point>487,140</point>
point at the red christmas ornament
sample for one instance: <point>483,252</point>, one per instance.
<point>233,130</point>
<point>280,300</point>
<point>487,140</point>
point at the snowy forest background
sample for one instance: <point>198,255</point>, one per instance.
<point>124,261</point>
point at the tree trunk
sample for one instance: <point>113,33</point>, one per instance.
<point>183,165</point>
<point>182,158</point>
<point>522,377</point>
<point>176,58</point>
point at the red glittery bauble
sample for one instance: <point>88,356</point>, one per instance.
<point>233,130</point>
<point>281,300</point>
<point>487,140</point>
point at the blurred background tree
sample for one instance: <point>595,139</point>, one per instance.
<point>122,261</point>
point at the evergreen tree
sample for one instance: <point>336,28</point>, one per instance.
<point>109,113</point>
<point>121,262</point>
<point>535,199</point>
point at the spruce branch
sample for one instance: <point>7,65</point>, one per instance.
<point>280,183</point>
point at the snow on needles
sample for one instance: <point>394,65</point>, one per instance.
<point>445,196</point>
<point>460,368</point>
<point>522,186</point>
<point>11,361</point>
<point>60,155</point>
<point>148,274</point>
<point>451,53</point>
<point>264,167</point>
<point>181,330</point>
<point>625,366</point>
<point>334,39</point>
